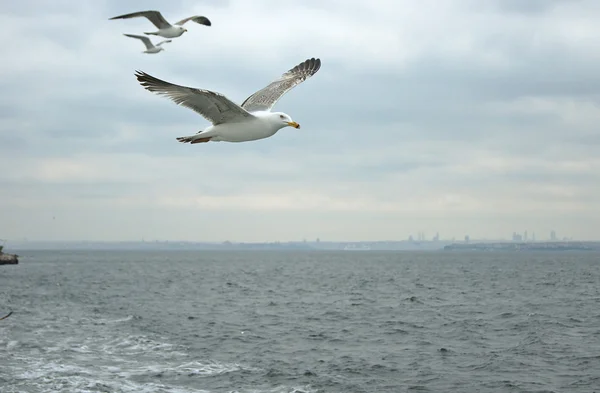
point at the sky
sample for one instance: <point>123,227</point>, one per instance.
<point>458,117</point>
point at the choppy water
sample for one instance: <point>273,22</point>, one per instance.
<point>300,322</point>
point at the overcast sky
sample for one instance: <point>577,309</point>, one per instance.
<point>456,116</point>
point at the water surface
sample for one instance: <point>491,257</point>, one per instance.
<point>175,321</point>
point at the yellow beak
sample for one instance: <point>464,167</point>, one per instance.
<point>293,124</point>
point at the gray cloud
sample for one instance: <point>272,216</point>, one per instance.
<point>459,118</point>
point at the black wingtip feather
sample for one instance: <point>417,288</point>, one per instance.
<point>312,65</point>
<point>144,79</point>
<point>150,82</point>
<point>140,75</point>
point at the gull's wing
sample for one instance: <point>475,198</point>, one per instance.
<point>163,42</point>
<point>153,16</point>
<point>264,99</point>
<point>213,106</point>
<point>6,316</point>
<point>196,18</point>
<point>144,39</point>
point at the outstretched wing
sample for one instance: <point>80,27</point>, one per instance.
<point>196,18</point>
<point>163,42</point>
<point>264,99</point>
<point>153,16</point>
<point>213,106</point>
<point>144,39</point>
<point>6,316</point>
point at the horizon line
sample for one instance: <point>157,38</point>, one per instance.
<point>299,241</point>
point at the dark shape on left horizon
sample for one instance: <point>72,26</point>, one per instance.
<point>6,316</point>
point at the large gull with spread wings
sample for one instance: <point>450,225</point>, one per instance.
<point>232,122</point>
<point>165,29</point>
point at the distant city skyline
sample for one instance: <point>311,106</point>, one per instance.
<point>421,237</point>
<point>405,245</point>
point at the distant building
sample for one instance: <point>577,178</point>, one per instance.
<point>467,238</point>
<point>553,235</point>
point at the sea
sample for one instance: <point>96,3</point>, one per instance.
<point>300,321</point>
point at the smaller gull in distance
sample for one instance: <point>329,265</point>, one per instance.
<point>165,29</point>
<point>150,48</point>
<point>232,122</point>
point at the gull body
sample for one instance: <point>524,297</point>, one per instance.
<point>262,125</point>
<point>150,48</point>
<point>165,29</point>
<point>168,32</point>
<point>252,120</point>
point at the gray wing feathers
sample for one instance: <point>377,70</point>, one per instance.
<point>265,98</point>
<point>213,106</point>
<point>196,18</point>
<point>144,39</point>
<point>153,16</point>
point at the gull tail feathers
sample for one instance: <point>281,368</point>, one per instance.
<point>186,139</point>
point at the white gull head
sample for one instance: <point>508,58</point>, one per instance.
<point>277,120</point>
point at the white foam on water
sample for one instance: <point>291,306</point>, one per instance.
<point>11,345</point>
<point>101,364</point>
<point>195,368</point>
<point>99,360</point>
<point>81,349</point>
<point>213,368</point>
<point>112,321</point>
<point>279,389</point>
<point>137,344</point>
<point>40,375</point>
<point>85,384</point>
<point>42,370</point>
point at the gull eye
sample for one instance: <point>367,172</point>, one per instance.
<point>282,117</point>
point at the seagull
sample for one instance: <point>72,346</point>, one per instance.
<point>165,29</point>
<point>232,122</point>
<point>150,48</point>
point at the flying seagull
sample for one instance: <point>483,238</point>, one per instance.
<point>150,48</point>
<point>231,122</point>
<point>165,29</point>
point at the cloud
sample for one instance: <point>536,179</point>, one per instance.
<point>458,117</point>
